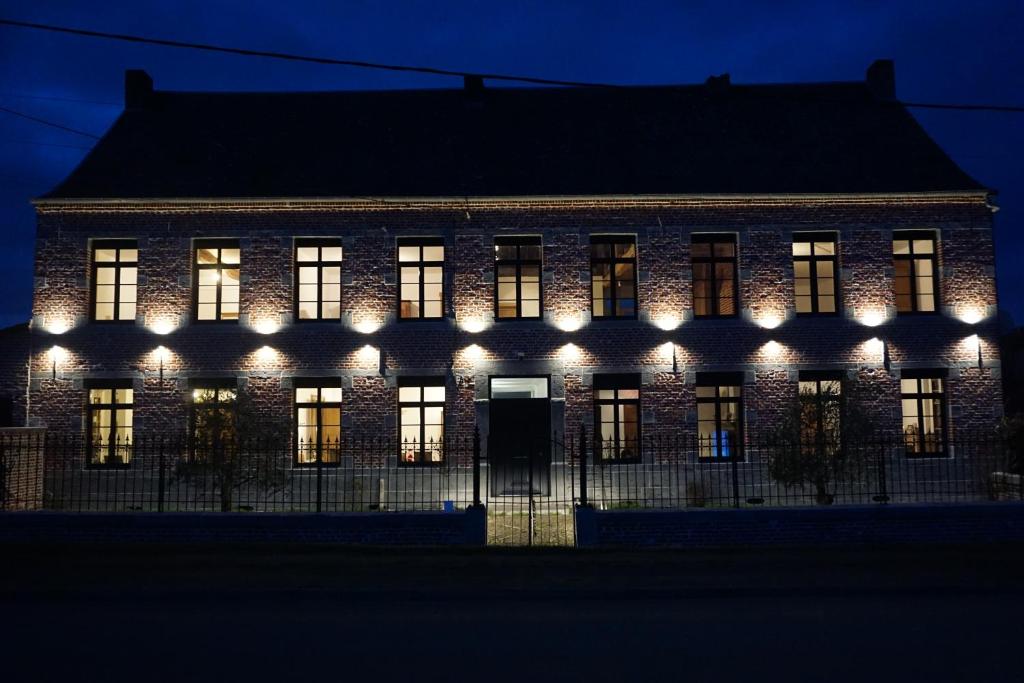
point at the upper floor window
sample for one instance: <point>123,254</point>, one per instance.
<point>914,271</point>
<point>212,413</point>
<point>814,273</point>
<point>613,276</point>
<point>318,279</point>
<point>715,283</point>
<point>720,416</point>
<point>421,420</point>
<point>617,416</point>
<point>820,407</point>
<point>517,264</point>
<point>924,408</point>
<point>110,413</point>
<point>421,279</point>
<point>115,279</point>
<point>317,421</point>
<point>217,276</point>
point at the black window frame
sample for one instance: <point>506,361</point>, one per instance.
<point>719,380</point>
<point>421,264</point>
<point>712,261</point>
<point>319,243</point>
<point>909,236</point>
<point>318,383</point>
<point>618,382</point>
<point>117,264</point>
<point>612,261</point>
<point>113,385</point>
<point>919,397</point>
<point>217,384</point>
<point>219,244</point>
<point>813,260</point>
<point>422,382</point>
<point>817,377</point>
<point>519,241</point>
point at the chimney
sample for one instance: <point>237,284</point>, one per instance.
<point>881,79</point>
<point>473,86</point>
<point>718,83</point>
<point>138,88</point>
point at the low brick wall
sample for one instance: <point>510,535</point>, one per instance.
<point>21,468</point>
<point>840,525</point>
<point>374,529</point>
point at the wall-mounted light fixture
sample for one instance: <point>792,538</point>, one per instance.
<point>162,354</point>
<point>57,356</point>
<point>974,343</point>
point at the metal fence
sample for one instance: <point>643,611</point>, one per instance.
<point>530,496</point>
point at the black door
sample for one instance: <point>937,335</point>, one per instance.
<point>519,436</point>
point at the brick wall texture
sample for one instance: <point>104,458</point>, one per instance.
<point>266,363</point>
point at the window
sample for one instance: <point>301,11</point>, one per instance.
<point>617,416</point>
<point>814,273</point>
<point>318,279</point>
<point>212,414</point>
<point>421,271</point>
<point>924,410</point>
<point>613,276</point>
<point>110,423</point>
<point>820,407</point>
<point>318,421</point>
<point>115,279</point>
<point>715,284</point>
<point>720,416</point>
<point>217,279</point>
<point>517,263</point>
<point>421,420</point>
<point>914,269</point>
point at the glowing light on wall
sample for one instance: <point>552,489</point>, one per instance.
<point>473,325</point>
<point>267,326</point>
<point>266,354</point>
<point>769,321</point>
<point>162,326</point>
<point>366,326</point>
<point>473,353</point>
<point>872,318</point>
<point>971,315</point>
<point>667,322</point>
<point>58,355</point>
<point>569,352</point>
<point>58,326</point>
<point>161,356</point>
<point>973,345</point>
<point>569,323</point>
<point>772,349</point>
<point>369,355</point>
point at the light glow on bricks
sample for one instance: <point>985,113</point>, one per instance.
<point>473,325</point>
<point>769,321</point>
<point>971,315</point>
<point>162,326</point>
<point>667,322</point>
<point>872,318</point>
<point>366,326</point>
<point>569,323</point>
<point>267,326</point>
<point>57,326</point>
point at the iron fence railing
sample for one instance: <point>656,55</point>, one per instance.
<point>530,490</point>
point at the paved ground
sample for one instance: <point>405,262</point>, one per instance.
<point>292,613</point>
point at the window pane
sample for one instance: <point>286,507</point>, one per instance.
<point>307,253</point>
<point>305,395</point>
<point>801,248</point>
<point>725,249</point>
<point>105,276</point>
<point>105,293</point>
<point>129,276</point>
<point>900,247</point>
<point>600,250</point>
<point>408,253</point>
<point>330,254</point>
<point>229,276</point>
<point>433,394</point>
<point>307,310</point>
<point>625,250</point>
<point>330,394</point>
<point>229,295</point>
<point>505,252</point>
<point>126,311</point>
<point>331,292</point>
<point>332,274</point>
<point>531,309</point>
<point>330,310</point>
<point>231,256</point>
<point>824,248</point>
<point>530,252</point>
<point>105,255</point>
<point>207,311</point>
<point>433,253</point>
<point>307,274</point>
<point>924,246</point>
<point>409,394</point>
<point>229,311</point>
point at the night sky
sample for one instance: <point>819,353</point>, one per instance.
<point>945,51</point>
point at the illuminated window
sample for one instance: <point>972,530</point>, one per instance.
<point>217,277</point>
<point>820,407</point>
<point>421,279</point>
<point>924,409</point>
<point>914,272</point>
<point>715,284</point>
<point>814,273</point>
<point>110,423</point>
<point>212,412</point>
<point>318,279</point>
<point>720,416</point>
<point>617,416</point>
<point>317,421</point>
<point>517,278</point>
<point>114,280</point>
<point>613,276</point>
<point>421,420</point>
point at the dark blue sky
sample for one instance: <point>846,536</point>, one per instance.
<point>945,51</point>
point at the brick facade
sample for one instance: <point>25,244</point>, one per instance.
<point>369,349</point>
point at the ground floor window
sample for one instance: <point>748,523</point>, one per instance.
<point>924,408</point>
<point>617,416</point>
<point>212,413</point>
<point>720,416</point>
<point>317,421</point>
<point>110,413</point>
<point>820,408</point>
<point>421,420</point>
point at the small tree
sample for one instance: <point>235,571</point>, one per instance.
<point>233,445</point>
<point>818,439</point>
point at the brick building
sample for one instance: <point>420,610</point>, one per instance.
<point>648,262</point>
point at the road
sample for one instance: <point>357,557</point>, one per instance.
<point>298,613</point>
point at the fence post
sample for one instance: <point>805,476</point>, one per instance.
<point>583,465</point>
<point>529,487</point>
<point>735,467</point>
<point>883,484</point>
<point>319,474</point>
<point>161,482</point>
<point>476,467</point>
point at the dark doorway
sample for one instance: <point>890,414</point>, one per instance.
<point>519,438</point>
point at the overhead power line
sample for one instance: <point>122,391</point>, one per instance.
<point>405,67</point>
<point>48,123</point>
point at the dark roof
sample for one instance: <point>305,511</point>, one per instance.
<point>703,139</point>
